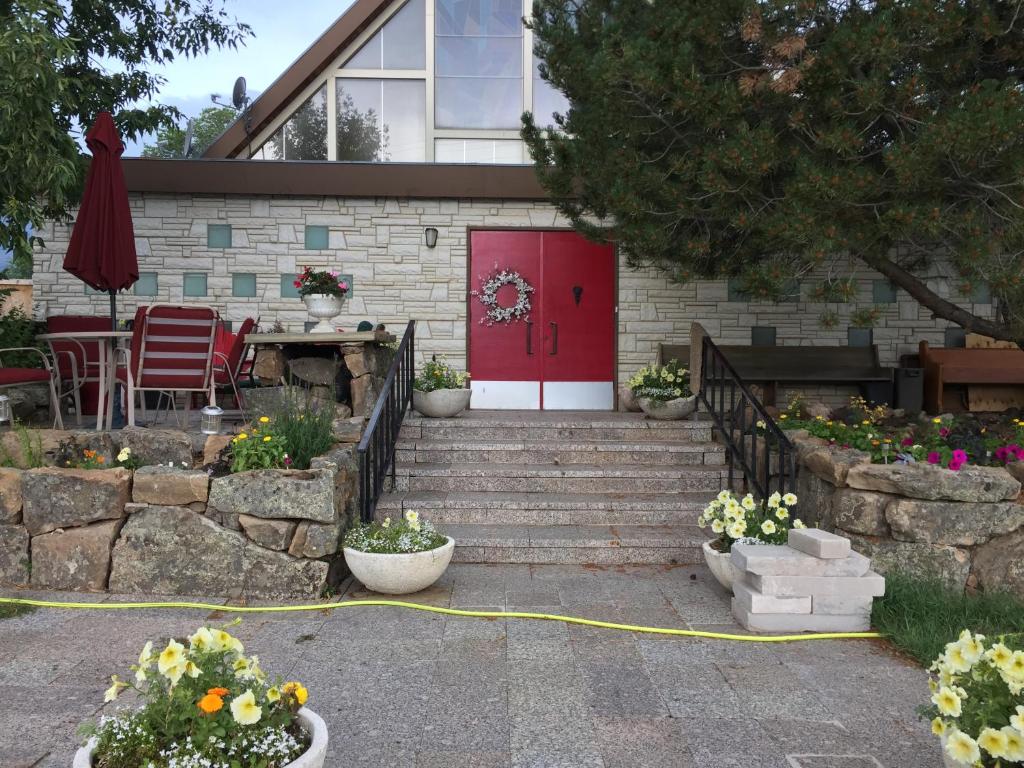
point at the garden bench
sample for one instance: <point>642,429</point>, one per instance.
<point>960,365</point>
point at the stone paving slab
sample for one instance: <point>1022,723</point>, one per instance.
<point>411,689</point>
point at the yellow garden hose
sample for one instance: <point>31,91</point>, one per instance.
<point>446,612</point>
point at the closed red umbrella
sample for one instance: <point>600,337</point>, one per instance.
<point>102,248</point>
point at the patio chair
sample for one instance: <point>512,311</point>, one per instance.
<point>230,358</point>
<point>171,351</point>
<point>19,377</point>
<point>77,361</point>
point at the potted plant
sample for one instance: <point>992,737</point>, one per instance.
<point>744,520</point>
<point>440,391</point>
<point>663,392</point>
<point>205,703</point>
<point>323,294</point>
<point>976,711</point>
<point>397,558</point>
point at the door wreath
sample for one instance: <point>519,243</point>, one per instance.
<point>489,298</point>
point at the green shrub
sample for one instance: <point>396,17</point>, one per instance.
<point>262,447</point>
<point>306,426</point>
<point>17,329</point>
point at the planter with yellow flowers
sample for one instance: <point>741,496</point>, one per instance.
<point>397,558</point>
<point>205,703</point>
<point>663,392</point>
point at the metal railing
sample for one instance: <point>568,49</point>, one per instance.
<point>755,443</point>
<point>376,449</point>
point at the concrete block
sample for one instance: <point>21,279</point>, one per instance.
<point>818,543</point>
<point>795,622</point>
<point>781,560</point>
<point>842,605</point>
<point>755,602</point>
<point>869,585</point>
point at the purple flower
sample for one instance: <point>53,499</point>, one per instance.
<point>960,455</point>
<point>934,458</point>
<point>906,442</point>
<point>943,432</point>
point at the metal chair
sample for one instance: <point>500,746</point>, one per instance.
<point>17,377</point>
<point>230,355</point>
<point>77,361</point>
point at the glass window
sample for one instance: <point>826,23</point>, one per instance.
<point>194,284</point>
<point>317,237</point>
<point>270,148</point>
<point>381,120</point>
<point>243,285</point>
<point>218,235</point>
<point>487,151</point>
<point>547,100</point>
<point>478,102</point>
<point>288,289</point>
<point>400,43</point>
<point>148,284</point>
<point>303,137</point>
<point>493,18</point>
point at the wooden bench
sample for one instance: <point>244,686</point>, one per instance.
<point>959,365</point>
<point>770,366</point>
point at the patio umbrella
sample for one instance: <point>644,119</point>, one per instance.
<point>102,249</point>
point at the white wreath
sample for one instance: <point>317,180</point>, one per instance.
<point>489,298</point>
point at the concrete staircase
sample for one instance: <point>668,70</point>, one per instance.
<point>559,487</point>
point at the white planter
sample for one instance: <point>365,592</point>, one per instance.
<point>948,761</point>
<point>669,410</point>
<point>323,307</point>
<point>313,757</point>
<point>441,403</point>
<point>628,400</point>
<point>720,565</point>
<point>399,574</point>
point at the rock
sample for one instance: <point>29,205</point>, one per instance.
<point>226,519</point>
<point>348,430</point>
<point>949,564</point>
<point>924,481</point>
<point>272,534</point>
<point>356,364</point>
<point>269,364</point>
<point>170,550</point>
<point>320,371</point>
<point>342,461</point>
<point>315,540</point>
<point>950,522</point>
<point>61,498</point>
<point>815,505</point>
<point>861,511</point>
<point>834,464</point>
<point>10,495</point>
<point>157,446</point>
<point>1016,469</point>
<point>627,400</point>
<point>364,395</point>
<point>998,564</point>
<point>14,560</point>
<point>276,493</point>
<point>813,409</point>
<point>213,447</point>
<point>167,486</point>
<point>75,558</point>
<point>30,448</point>
<point>26,400</point>
<point>72,449</point>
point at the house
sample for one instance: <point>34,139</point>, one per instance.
<point>390,152</point>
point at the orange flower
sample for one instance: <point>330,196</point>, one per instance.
<point>89,454</point>
<point>211,703</point>
<point>218,691</point>
<point>101,459</point>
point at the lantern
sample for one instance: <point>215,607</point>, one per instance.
<point>5,408</point>
<point>209,422</point>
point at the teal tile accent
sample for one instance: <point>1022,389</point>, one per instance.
<point>194,284</point>
<point>243,285</point>
<point>147,284</point>
<point>955,337</point>
<point>860,337</point>
<point>883,292</point>
<point>316,237</point>
<point>736,293</point>
<point>981,294</point>
<point>218,235</point>
<point>762,336</point>
<point>90,291</point>
<point>288,289</point>
<point>351,284</point>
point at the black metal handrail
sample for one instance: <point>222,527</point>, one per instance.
<point>376,449</point>
<point>739,417</point>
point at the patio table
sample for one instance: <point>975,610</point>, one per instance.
<point>106,373</point>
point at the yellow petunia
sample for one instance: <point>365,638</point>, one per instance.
<point>273,694</point>
<point>298,690</point>
<point>999,655</point>
<point>938,726</point>
<point>115,688</point>
<point>1014,743</point>
<point>993,742</point>
<point>264,420</point>
<point>799,524</point>
<point>962,748</point>
<point>201,640</point>
<point>171,657</point>
<point>717,526</point>
<point>1017,719</point>
<point>245,710</point>
<point>267,439</point>
<point>768,527</point>
<point>947,701</point>
<point>242,436</point>
<point>782,513</point>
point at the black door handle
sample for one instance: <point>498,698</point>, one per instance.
<point>554,338</point>
<point>529,337</point>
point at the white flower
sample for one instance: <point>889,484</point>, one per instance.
<point>962,748</point>
<point>948,702</point>
<point>115,688</point>
<point>124,455</point>
<point>411,516</point>
<point>748,502</point>
<point>724,497</point>
<point>798,524</point>
<point>774,500</point>
<point>170,658</point>
<point>201,640</point>
<point>768,527</point>
<point>789,499</point>
<point>717,526</point>
<point>737,529</point>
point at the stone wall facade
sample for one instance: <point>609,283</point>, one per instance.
<point>380,242</point>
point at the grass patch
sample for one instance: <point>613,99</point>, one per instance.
<point>921,615</point>
<point>10,610</point>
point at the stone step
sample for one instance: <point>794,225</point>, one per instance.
<point>566,544</point>
<point>554,425</point>
<point>547,478</point>
<point>559,452</point>
<point>547,508</point>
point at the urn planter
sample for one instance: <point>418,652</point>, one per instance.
<point>668,410</point>
<point>309,720</point>
<point>323,307</point>
<point>441,403</point>
<point>720,565</point>
<point>399,574</point>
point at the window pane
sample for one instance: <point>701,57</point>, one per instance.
<point>243,285</point>
<point>488,151</point>
<point>194,284</point>
<point>478,102</point>
<point>381,120</point>
<point>479,57</point>
<point>367,57</point>
<point>270,149</point>
<point>400,43</point>
<point>479,17</point>
<point>305,133</point>
<point>547,100</point>
<point>218,235</point>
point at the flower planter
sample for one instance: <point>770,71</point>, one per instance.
<point>668,410</point>
<point>323,307</point>
<point>441,403</point>
<point>720,565</point>
<point>313,757</point>
<point>399,574</point>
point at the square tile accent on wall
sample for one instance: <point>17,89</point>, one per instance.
<point>147,284</point>
<point>194,284</point>
<point>883,292</point>
<point>218,235</point>
<point>762,336</point>
<point>351,285</point>
<point>736,292</point>
<point>243,285</point>
<point>317,238</point>
<point>955,337</point>
<point>860,337</point>
<point>981,293</point>
<point>288,289</point>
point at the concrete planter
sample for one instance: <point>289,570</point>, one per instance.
<point>668,410</point>
<point>720,565</point>
<point>309,720</point>
<point>399,574</point>
<point>441,403</point>
<point>323,307</point>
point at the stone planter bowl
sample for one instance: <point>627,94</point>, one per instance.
<point>670,410</point>
<point>441,403</point>
<point>720,565</point>
<point>628,400</point>
<point>323,307</point>
<point>309,720</point>
<point>399,574</point>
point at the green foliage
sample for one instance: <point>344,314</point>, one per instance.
<point>17,329</point>
<point>735,520</point>
<point>407,535</point>
<point>662,383</point>
<point>865,317</point>
<point>62,63</point>
<point>263,447</point>
<point>307,428</point>
<point>437,374</point>
<point>30,450</point>
<point>765,139</point>
<point>206,127</point>
<point>9,611</point>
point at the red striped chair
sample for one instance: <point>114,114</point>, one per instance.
<point>16,377</point>
<point>171,351</point>
<point>77,361</point>
<point>230,355</point>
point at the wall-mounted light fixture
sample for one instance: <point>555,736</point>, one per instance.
<point>430,236</point>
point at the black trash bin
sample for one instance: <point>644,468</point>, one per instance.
<point>910,389</point>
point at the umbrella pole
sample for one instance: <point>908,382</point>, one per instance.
<point>113,310</point>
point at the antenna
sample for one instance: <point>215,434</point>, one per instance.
<point>238,95</point>
<point>189,129</point>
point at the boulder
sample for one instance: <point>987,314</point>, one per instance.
<point>319,371</point>
<point>949,564</point>
<point>315,539</point>
<point>998,564</point>
<point>272,534</point>
<point>342,461</point>
<point>861,511</point>
<point>815,408</point>
<point>10,495</point>
<point>952,522</point>
<point>61,498</point>
<point>356,364</point>
<point>14,560</point>
<point>348,430</point>
<point>157,446</point>
<point>365,391</point>
<point>277,493</point>
<point>169,486</point>
<point>74,558</point>
<point>30,448</point>
<point>170,550</point>
<point>1016,469</point>
<point>269,364</point>
<point>72,448</point>
<point>924,481</point>
<point>815,505</point>
<point>834,464</point>
<point>213,446</point>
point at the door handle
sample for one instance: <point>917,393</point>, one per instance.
<point>554,338</point>
<point>529,337</point>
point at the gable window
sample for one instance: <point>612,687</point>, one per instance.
<point>303,136</point>
<point>487,151</point>
<point>400,43</point>
<point>381,120</point>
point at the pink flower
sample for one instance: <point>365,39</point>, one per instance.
<point>287,460</point>
<point>906,442</point>
<point>960,455</point>
<point>934,458</point>
<point>955,465</point>
<point>343,285</point>
<point>943,432</point>
<point>333,273</point>
<point>297,283</point>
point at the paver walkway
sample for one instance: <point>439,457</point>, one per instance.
<point>408,688</point>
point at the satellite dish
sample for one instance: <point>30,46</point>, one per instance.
<point>190,126</point>
<point>238,96</point>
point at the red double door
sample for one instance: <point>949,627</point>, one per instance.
<point>561,354</point>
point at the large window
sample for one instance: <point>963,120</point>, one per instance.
<point>303,136</point>
<point>547,100</point>
<point>400,43</point>
<point>381,120</point>
<point>487,151</point>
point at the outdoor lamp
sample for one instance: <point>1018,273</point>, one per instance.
<point>430,235</point>
<point>209,422</point>
<point>5,408</point>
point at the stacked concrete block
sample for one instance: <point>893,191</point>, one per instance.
<point>815,583</point>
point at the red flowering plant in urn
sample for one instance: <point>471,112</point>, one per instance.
<point>323,292</point>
